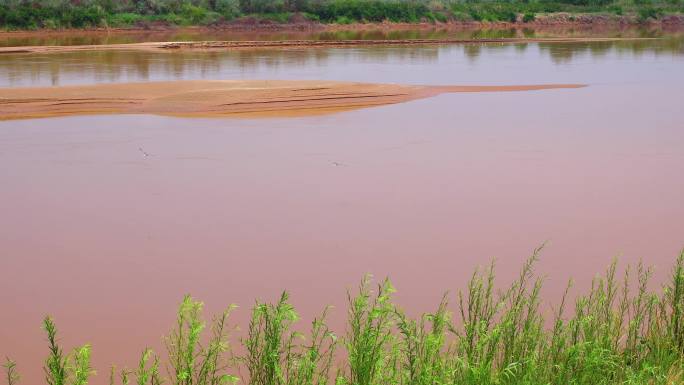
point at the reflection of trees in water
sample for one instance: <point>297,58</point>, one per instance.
<point>474,51</point>
<point>110,66</point>
<point>567,52</point>
<point>89,38</point>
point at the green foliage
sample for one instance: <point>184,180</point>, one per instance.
<point>273,355</point>
<point>528,17</point>
<point>649,13</point>
<point>124,19</point>
<point>343,20</point>
<point>59,369</point>
<point>422,346</point>
<point>370,10</point>
<point>191,363</point>
<point>492,12</point>
<point>80,365</point>
<point>371,346</point>
<point>34,14</point>
<point>55,365</point>
<point>146,374</point>
<point>228,8</point>
<point>11,374</point>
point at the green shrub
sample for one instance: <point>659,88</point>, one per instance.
<point>123,19</point>
<point>229,9</point>
<point>343,20</point>
<point>172,18</point>
<point>649,13</point>
<point>280,17</point>
<point>616,9</point>
<point>438,16</point>
<point>528,17</point>
<point>370,10</point>
<point>311,17</point>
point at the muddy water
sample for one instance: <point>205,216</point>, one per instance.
<point>108,220</point>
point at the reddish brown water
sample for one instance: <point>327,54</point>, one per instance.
<point>108,240</point>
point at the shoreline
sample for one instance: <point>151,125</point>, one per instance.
<point>257,44</point>
<point>553,22</point>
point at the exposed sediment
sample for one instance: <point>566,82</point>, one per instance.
<point>232,44</point>
<point>222,98</point>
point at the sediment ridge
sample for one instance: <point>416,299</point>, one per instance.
<point>222,98</point>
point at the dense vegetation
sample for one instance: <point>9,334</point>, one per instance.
<point>620,332</point>
<point>32,14</point>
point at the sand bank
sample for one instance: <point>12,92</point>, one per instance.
<point>221,45</point>
<point>221,98</point>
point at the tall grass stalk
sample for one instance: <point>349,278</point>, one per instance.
<point>60,369</point>
<point>190,362</point>
<point>11,374</point>
<point>278,355</point>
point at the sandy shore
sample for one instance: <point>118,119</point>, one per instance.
<point>219,45</point>
<point>221,98</point>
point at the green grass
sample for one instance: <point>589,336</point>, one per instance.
<point>621,331</point>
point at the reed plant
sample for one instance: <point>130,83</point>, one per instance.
<point>191,362</point>
<point>11,374</point>
<point>61,369</point>
<point>621,331</point>
<point>278,355</point>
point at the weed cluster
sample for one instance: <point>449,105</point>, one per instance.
<point>620,332</point>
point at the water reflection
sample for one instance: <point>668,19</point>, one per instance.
<point>564,53</point>
<point>110,66</point>
<point>103,37</point>
<point>321,63</point>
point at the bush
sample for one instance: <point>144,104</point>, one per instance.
<point>192,14</point>
<point>370,10</point>
<point>438,16</point>
<point>123,19</point>
<point>492,12</point>
<point>616,9</point>
<point>648,13</point>
<point>229,9</point>
<point>528,17</point>
<point>311,17</point>
<point>343,20</point>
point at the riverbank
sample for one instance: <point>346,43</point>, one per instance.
<point>239,44</point>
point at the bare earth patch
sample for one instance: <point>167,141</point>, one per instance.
<point>255,98</point>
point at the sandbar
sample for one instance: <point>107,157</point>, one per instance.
<point>223,98</point>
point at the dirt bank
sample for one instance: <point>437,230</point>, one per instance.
<point>217,45</point>
<point>221,98</point>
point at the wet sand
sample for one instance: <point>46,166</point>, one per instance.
<point>217,45</point>
<point>199,98</point>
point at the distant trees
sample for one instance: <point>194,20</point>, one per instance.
<point>31,14</point>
